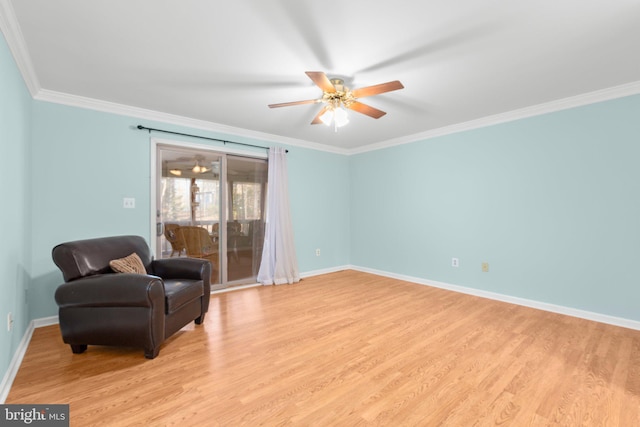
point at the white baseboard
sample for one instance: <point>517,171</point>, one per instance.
<point>568,311</point>
<point>325,271</point>
<point>45,321</point>
<point>12,371</point>
<point>16,361</point>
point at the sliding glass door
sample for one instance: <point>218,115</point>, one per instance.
<point>210,205</point>
<point>246,189</point>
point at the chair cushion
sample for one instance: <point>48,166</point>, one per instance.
<point>128,264</point>
<point>179,292</point>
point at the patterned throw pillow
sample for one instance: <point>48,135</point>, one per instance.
<point>129,264</point>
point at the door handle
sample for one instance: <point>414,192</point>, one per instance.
<point>159,229</point>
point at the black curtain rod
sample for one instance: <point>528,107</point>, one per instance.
<point>203,137</point>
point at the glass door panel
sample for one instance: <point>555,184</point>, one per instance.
<point>211,205</point>
<point>246,195</point>
<point>188,208</point>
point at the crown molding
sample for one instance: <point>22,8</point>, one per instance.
<point>607,94</point>
<point>11,29</point>
<point>17,45</point>
<point>142,113</point>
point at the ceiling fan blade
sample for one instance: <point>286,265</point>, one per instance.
<point>366,109</point>
<point>376,89</point>
<point>321,80</point>
<point>288,104</point>
<point>316,120</point>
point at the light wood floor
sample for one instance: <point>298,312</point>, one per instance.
<point>350,349</point>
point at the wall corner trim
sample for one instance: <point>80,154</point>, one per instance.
<point>13,34</point>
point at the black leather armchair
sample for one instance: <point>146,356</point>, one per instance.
<point>100,307</point>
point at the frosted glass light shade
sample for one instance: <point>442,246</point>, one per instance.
<point>326,117</point>
<point>340,116</point>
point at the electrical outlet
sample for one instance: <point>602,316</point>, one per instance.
<point>485,267</point>
<point>129,203</point>
<point>455,262</point>
<point>9,322</point>
<point>317,252</point>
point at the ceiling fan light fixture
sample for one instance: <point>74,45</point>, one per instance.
<point>199,169</point>
<point>327,117</point>
<point>338,98</point>
<point>340,117</point>
<point>336,115</point>
<point>176,172</point>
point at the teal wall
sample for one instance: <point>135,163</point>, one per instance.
<point>15,211</point>
<point>319,194</point>
<point>85,162</point>
<point>552,203</point>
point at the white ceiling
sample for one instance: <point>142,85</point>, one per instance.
<point>222,62</point>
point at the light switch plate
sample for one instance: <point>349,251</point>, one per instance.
<point>129,203</point>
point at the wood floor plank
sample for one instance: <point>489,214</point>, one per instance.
<point>355,349</point>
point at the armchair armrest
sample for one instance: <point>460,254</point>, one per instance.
<point>112,290</point>
<point>182,268</point>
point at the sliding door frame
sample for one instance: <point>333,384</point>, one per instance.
<point>156,169</point>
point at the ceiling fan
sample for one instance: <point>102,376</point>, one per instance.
<point>191,166</point>
<point>336,97</point>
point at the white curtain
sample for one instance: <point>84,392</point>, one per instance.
<point>279,262</point>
